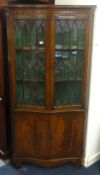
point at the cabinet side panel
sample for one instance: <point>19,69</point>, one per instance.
<point>3,139</point>
<point>1,62</point>
<point>3,143</point>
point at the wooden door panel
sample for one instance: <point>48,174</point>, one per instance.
<point>67,133</point>
<point>31,139</point>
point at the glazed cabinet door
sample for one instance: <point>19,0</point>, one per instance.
<point>29,60</point>
<point>71,50</point>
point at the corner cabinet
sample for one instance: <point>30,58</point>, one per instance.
<point>49,64</point>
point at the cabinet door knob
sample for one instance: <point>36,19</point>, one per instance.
<point>0,98</point>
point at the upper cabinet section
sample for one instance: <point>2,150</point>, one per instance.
<point>49,55</point>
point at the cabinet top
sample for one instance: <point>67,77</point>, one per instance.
<point>51,6</point>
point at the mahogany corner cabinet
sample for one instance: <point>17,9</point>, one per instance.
<point>49,55</point>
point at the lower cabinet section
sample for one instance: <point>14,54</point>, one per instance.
<point>48,139</point>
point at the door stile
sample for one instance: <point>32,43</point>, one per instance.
<point>51,60</point>
<point>87,61</point>
<point>11,60</point>
<point>47,64</point>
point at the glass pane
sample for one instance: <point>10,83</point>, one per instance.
<point>68,93</point>
<point>26,35</point>
<point>60,66</point>
<point>70,34</point>
<point>81,33</point>
<point>62,34</point>
<point>69,58</point>
<point>18,31</point>
<point>68,77</point>
<point>73,34</point>
<point>41,34</point>
<point>33,34</point>
<point>30,62</point>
